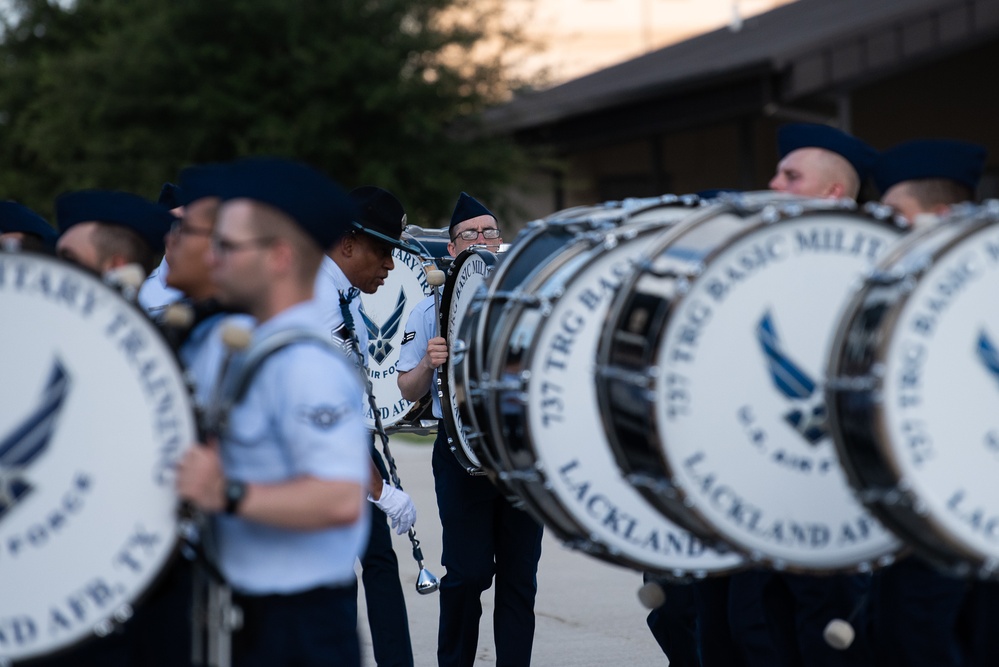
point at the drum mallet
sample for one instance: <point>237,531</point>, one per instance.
<point>839,634</point>
<point>127,279</point>
<point>652,595</point>
<point>435,278</point>
<point>218,617</point>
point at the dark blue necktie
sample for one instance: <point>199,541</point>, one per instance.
<point>345,299</point>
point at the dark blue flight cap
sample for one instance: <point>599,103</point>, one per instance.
<point>169,196</point>
<point>200,181</point>
<point>381,216</point>
<point>16,217</point>
<point>714,193</point>
<point>303,193</point>
<point>958,161</point>
<point>466,209</point>
<point>793,136</point>
<point>150,221</point>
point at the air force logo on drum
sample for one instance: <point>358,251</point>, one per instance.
<point>30,439</point>
<point>380,336</point>
<point>793,382</point>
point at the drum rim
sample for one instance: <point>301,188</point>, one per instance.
<point>534,493</point>
<point>172,553</point>
<point>756,219</point>
<point>449,412</point>
<point>927,534</point>
<point>672,509</point>
<point>476,359</point>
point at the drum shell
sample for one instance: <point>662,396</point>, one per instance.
<point>102,472</point>
<point>635,324</point>
<point>869,448</point>
<point>530,465</point>
<point>385,314</point>
<point>462,273</point>
<point>641,382</point>
<point>530,251</point>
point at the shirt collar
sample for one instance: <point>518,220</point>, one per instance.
<point>333,270</point>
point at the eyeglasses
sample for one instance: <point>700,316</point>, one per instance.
<point>472,234</point>
<point>177,227</point>
<point>223,247</point>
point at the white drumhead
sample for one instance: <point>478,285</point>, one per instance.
<point>95,415</point>
<point>567,431</point>
<point>739,400</point>
<point>384,315</point>
<point>468,273</point>
<point>941,384</point>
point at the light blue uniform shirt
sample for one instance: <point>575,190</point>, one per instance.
<point>154,294</point>
<point>203,352</point>
<point>299,417</point>
<point>420,328</point>
<point>330,283</point>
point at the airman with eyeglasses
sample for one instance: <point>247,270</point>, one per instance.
<point>473,513</point>
<point>467,233</point>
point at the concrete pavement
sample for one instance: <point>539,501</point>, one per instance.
<point>588,614</point>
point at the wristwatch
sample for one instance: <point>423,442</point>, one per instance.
<point>235,491</point>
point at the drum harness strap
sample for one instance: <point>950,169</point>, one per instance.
<point>214,616</point>
<point>426,583</point>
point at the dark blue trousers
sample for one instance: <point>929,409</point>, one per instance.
<point>387,617</point>
<point>317,628</point>
<point>748,620</point>
<point>716,645</point>
<point>674,625</point>
<point>483,536</point>
<point>978,624</point>
<point>915,616</point>
<point>788,630</point>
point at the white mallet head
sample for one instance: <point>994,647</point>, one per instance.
<point>435,277</point>
<point>235,338</point>
<point>127,275</point>
<point>839,634</point>
<point>651,595</point>
<point>178,316</point>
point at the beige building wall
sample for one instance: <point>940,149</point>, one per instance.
<point>580,36</point>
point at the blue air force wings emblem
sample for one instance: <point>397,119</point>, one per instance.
<point>30,439</point>
<point>380,336</point>
<point>988,354</point>
<point>808,416</point>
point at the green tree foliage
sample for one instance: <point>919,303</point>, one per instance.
<point>124,93</point>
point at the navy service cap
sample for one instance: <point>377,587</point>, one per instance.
<point>793,136</point>
<point>200,181</point>
<point>306,195</point>
<point>381,216</point>
<point>147,219</point>
<point>467,208</point>
<point>16,217</point>
<point>170,195</point>
<point>958,161</point>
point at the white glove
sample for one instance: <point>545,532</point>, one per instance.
<point>398,506</point>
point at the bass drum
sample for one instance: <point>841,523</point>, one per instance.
<point>384,314</point>
<point>465,277</point>
<point>530,252</point>
<point>95,416</point>
<point>712,358</point>
<point>915,368</point>
<point>546,419</point>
